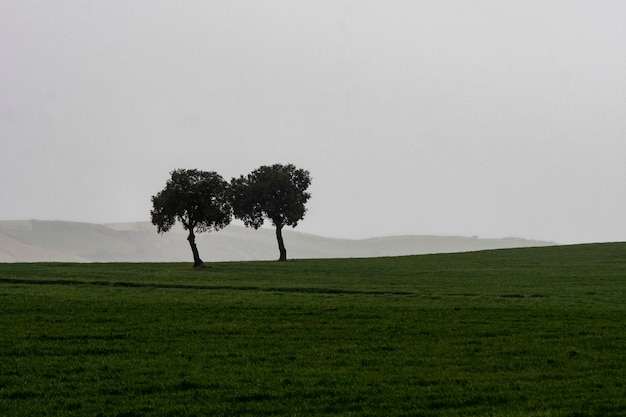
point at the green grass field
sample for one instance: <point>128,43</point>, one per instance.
<point>523,332</point>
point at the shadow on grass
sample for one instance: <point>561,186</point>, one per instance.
<point>199,287</point>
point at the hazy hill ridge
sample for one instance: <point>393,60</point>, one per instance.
<point>43,241</point>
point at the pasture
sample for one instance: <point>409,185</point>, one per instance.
<point>515,332</point>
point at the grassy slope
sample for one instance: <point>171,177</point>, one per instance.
<point>535,331</point>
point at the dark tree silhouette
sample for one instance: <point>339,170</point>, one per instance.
<point>197,199</point>
<point>276,192</point>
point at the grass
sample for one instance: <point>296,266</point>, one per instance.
<point>524,332</point>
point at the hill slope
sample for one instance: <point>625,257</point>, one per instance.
<point>35,241</point>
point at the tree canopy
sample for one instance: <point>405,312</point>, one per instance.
<point>197,199</point>
<point>276,192</point>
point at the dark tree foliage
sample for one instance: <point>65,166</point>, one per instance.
<point>276,192</point>
<point>197,199</point>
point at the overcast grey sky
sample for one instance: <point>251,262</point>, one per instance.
<point>488,117</point>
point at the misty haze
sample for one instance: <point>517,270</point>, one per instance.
<point>446,118</point>
<point>31,241</point>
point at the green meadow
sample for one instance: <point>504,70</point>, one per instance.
<point>521,332</point>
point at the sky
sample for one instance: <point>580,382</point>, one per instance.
<point>487,118</point>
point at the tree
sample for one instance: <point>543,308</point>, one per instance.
<point>276,192</point>
<point>197,199</point>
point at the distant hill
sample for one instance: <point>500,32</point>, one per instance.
<point>59,241</point>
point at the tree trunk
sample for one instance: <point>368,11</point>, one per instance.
<point>281,244</point>
<point>197,262</point>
